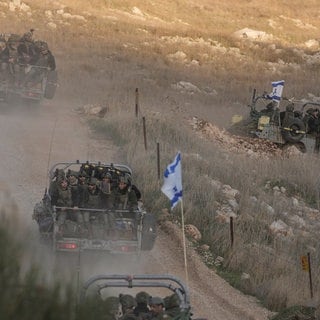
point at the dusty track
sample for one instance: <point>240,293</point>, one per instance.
<point>35,137</point>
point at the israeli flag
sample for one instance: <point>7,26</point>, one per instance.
<point>172,186</point>
<point>277,88</point>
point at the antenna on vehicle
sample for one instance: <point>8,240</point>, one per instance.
<point>51,143</point>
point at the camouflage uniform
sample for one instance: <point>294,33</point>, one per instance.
<point>107,201</point>
<point>128,304</point>
<point>27,50</point>
<point>172,305</point>
<point>13,58</point>
<point>112,307</point>
<point>4,59</point>
<point>91,200</point>
<point>124,196</point>
<point>142,310</point>
<point>62,197</point>
<point>157,309</point>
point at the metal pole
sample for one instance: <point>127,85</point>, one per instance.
<point>310,276</point>
<point>144,132</point>
<point>137,102</point>
<point>231,231</point>
<point>158,159</point>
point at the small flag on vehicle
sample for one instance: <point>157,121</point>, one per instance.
<point>277,88</point>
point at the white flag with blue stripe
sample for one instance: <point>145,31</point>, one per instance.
<point>277,88</point>
<point>172,186</point>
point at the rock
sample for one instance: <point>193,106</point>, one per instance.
<point>280,228</point>
<point>193,232</point>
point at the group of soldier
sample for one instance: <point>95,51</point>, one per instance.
<point>79,195</point>
<point>23,60</point>
<point>141,307</point>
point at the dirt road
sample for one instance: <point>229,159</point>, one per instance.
<point>35,137</point>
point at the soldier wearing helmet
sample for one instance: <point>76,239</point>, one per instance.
<point>128,304</point>
<point>91,200</point>
<point>157,309</point>
<point>112,308</point>
<point>62,197</point>
<point>4,58</point>
<point>124,196</point>
<point>142,309</point>
<point>172,305</point>
<point>13,58</point>
<point>27,49</point>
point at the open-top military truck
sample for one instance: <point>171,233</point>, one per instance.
<point>177,302</point>
<point>130,230</point>
<point>34,91</point>
<point>286,124</point>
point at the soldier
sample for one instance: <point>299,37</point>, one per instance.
<point>128,304</point>
<point>82,187</point>
<point>112,307</point>
<point>27,50</point>
<point>62,197</point>
<point>172,305</point>
<point>13,58</point>
<point>4,59</point>
<point>107,201</point>
<point>313,121</point>
<point>142,309</point>
<point>92,200</point>
<point>157,309</point>
<point>125,197</point>
<point>72,177</point>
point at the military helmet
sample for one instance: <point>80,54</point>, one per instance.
<point>107,175</point>
<point>82,173</point>
<point>171,301</point>
<point>142,297</point>
<point>127,301</point>
<point>72,173</point>
<point>156,301</point>
<point>27,36</point>
<point>44,46</point>
<point>126,178</point>
<point>94,181</point>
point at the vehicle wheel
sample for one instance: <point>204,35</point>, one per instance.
<point>294,131</point>
<point>51,85</point>
<point>149,232</point>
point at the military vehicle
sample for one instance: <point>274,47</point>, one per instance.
<point>10,90</point>
<point>27,81</point>
<point>176,303</point>
<point>131,230</point>
<point>284,124</point>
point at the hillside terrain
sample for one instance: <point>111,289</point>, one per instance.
<point>195,64</point>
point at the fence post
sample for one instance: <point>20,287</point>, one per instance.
<point>158,160</point>
<point>144,132</point>
<point>310,276</point>
<point>137,102</point>
<point>231,231</point>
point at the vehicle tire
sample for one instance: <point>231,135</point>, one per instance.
<point>291,133</point>
<point>149,232</point>
<point>51,85</point>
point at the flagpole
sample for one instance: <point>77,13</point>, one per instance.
<point>184,245</point>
